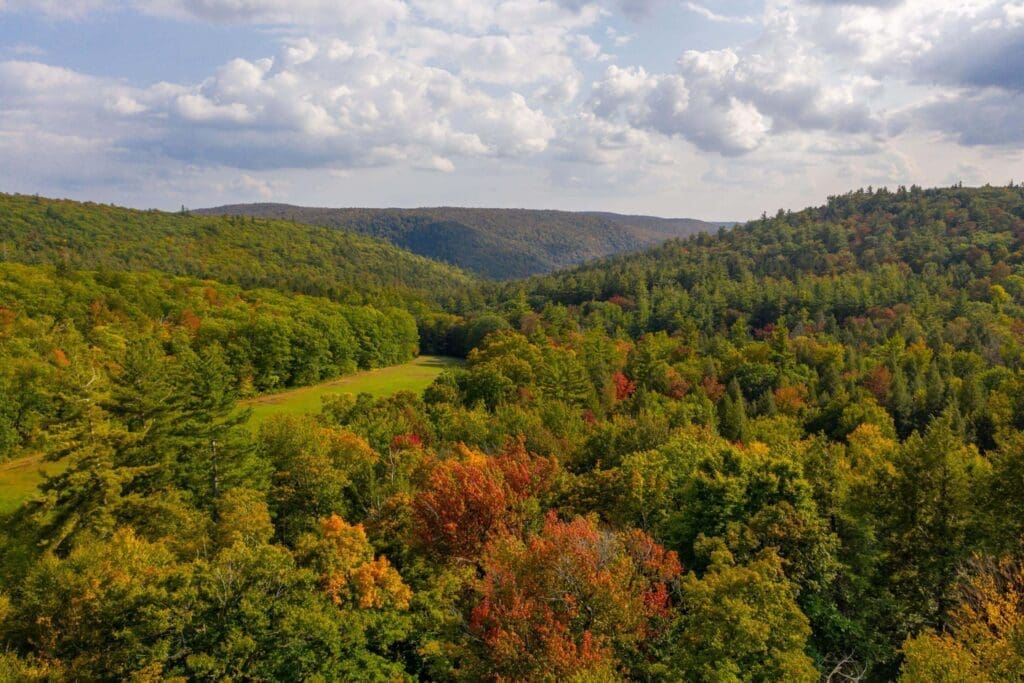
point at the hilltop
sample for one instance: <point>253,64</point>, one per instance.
<point>497,243</point>
<point>248,252</point>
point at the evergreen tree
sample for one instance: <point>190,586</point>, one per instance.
<point>86,497</point>
<point>732,413</point>
<point>216,451</point>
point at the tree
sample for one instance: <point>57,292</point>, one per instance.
<point>85,498</point>
<point>571,600</point>
<point>742,623</point>
<point>468,500</point>
<point>215,452</point>
<point>925,511</point>
<point>563,377</point>
<point>985,637</point>
<point>732,411</point>
<point>109,610</point>
<point>349,573</point>
<point>242,516</point>
<point>318,472</point>
<point>1004,504</point>
<point>144,400</point>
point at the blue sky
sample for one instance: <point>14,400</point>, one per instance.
<point>712,109</point>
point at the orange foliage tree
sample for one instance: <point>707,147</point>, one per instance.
<point>351,575</point>
<point>468,500</point>
<point>571,600</point>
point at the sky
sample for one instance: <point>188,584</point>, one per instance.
<point>712,109</point>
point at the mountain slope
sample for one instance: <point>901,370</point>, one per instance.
<point>498,243</point>
<point>244,251</point>
<point>962,239</point>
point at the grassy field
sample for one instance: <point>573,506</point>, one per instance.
<point>415,375</point>
<point>19,478</point>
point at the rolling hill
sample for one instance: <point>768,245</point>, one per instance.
<point>248,252</point>
<point>497,243</point>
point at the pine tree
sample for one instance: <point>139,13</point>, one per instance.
<point>732,422</point>
<point>145,401</point>
<point>901,403</point>
<point>85,497</point>
<point>216,452</point>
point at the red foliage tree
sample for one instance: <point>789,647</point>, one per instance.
<point>622,302</point>
<point>675,385</point>
<point>878,382</point>
<point>7,317</point>
<point>624,387</point>
<point>712,388</point>
<point>402,442</point>
<point>468,500</point>
<point>190,321</point>
<point>791,399</point>
<point>569,600</point>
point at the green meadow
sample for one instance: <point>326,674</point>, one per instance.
<point>416,375</point>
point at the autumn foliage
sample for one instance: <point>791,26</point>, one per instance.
<point>469,499</point>
<point>624,387</point>
<point>570,600</point>
<point>985,641</point>
<point>350,573</point>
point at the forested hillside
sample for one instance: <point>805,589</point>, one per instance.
<point>790,451</point>
<point>497,243</point>
<point>248,252</point>
<point>55,323</point>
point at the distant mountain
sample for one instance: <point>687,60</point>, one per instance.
<point>498,243</point>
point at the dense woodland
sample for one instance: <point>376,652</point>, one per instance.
<point>792,450</point>
<point>496,243</point>
<point>258,340</point>
<point>245,251</point>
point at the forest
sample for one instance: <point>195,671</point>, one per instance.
<point>496,243</point>
<point>791,450</point>
<point>247,252</point>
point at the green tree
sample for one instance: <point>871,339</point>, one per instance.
<point>741,623</point>
<point>732,413</point>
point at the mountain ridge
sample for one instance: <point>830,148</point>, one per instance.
<point>252,253</point>
<point>498,243</point>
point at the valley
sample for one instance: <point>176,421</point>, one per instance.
<point>496,243</point>
<point>810,420</point>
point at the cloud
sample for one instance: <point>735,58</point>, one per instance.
<point>637,9</point>
<point>856,3</point>
<point>971,43</point>
<point>958,63</point>
<point>452,92</point>
<point>58,9</point>
<point>364,15</point>
<point>25,50</point>
<point>730,103</point>
<point>719,18</point>
<point>247,185</point>
<point>990,118</point>
<point>823,67</point>
<point>312,105</point>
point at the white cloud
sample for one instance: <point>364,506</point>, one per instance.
<point>711,15</point>
<point>830,89</point>
<point>311,105</point>
<point>730,103</point>
<point>364,15</point>
<point>25,50</point>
